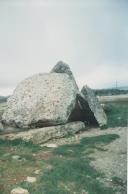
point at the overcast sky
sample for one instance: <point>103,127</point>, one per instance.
<point>90,35</point>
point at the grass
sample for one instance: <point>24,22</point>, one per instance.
<point>117,181</point>
<point>13,171</point>
<point>64,170</point>
<point>117,114</point>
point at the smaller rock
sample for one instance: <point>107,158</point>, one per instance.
<point>42,135</point>
<point>62,67</point>
<point>31,179</point>
<point>37,172</point>
<point>91,107</point>
<point>16,157</point>
<point>51,145</point>
<point>19,190</point>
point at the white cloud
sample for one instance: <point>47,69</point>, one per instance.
<point>6,91</point>
<point>104,76</point>
<point>89,35</point>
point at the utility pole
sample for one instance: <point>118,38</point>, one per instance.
<point>116,84</point>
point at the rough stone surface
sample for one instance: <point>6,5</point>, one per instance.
<point>91,106</point>
<point>3,106</point>
<point>42,135</point>
<point>1,127</point>
<point>62,67</point>
<point>41,100</point>
<point>19,190</point>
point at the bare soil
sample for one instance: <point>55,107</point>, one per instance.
<point>114,98</point>
<point>112,161</point>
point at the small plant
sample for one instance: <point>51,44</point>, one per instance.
<point>117,181</point>
<point>117,114</point>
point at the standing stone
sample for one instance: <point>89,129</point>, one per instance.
<point>62,67</point>
<point>41,100</point>
<point>91,107</point>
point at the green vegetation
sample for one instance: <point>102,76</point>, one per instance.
<point>63,170</point>
<point>3,98</point>
<point>13,172</point>
<point>109,92</point>
<point>19,144</point>
<point>117,181</point>
<point>117,113</point>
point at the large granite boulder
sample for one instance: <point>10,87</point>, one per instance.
<point>92,110</point>
<point>41,100</point>
<point>42,135</point>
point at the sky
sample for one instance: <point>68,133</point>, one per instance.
<point>89,35</point>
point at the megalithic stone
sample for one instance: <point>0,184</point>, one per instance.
<point>42,135</point>
<point>45,99</point>
<point>62,67</point>
<point>91,107</point>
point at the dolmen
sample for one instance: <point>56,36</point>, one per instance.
<point>52,103</point>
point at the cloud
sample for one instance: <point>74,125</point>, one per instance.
<point>6,91</point>
<point>90,35</point>
<point>103,76</point>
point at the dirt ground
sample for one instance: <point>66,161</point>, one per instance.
<point>113,98</point>
<point>113,161</point>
